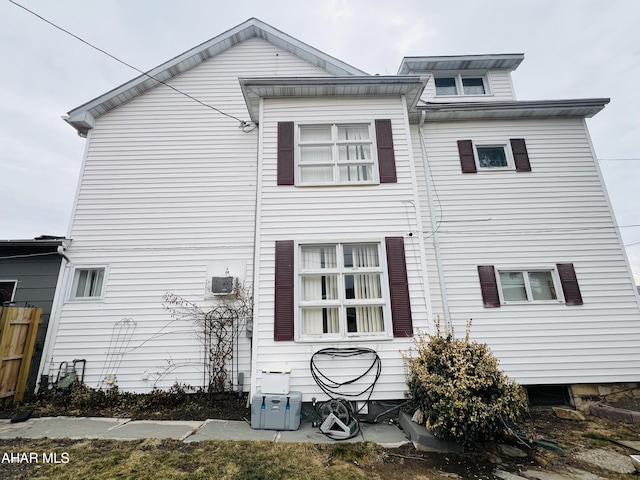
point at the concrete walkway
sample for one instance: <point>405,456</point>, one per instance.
<point>385,435</point>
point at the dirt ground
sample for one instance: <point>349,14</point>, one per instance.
<point>563,439</point>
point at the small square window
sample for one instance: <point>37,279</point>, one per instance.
<point>446,86</point>
<point>473,86</point>
<point>87,283</point>
<point>492,157</point>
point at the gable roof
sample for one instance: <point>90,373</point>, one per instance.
<point>82,118</point>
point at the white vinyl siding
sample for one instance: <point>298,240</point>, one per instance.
<point>557,213</point>
<point>167,187</point>
<point>316,215</point>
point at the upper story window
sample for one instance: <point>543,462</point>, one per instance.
<point>493,156</point>
<point>336,154</point>
<point>88,284</point>
<point>359,153</point>
<point>507,155</point>
<point>461,85</point>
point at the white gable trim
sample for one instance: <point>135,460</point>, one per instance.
<point>83,117</point>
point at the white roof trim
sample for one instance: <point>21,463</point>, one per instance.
<point>293,87</point>
<point>414,65</point>
<point>83,117</point>
<point>583,107</point>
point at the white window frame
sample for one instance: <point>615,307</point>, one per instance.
<point>15,287</point>
<point>335,144</point>
<point>506,146</point>
<point>343,303</point>
<point>557,285</point>
<point>458,77</point>
<point>75,280</point>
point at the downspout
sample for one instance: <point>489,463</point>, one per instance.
<point>46,364</point>
<point>434,228</point>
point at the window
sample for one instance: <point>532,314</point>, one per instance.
<point>336,154</point>
<point>446,86</point>
<point>492,157</point>
<point>330,154</point>
<point>534,285</point>
<point>341,289</point>
<point>473,86</point>
<point>87,283</point>
<point>7,290</point>
<point>527,286</point>
<point>511,155</point>
<point>460,85</point>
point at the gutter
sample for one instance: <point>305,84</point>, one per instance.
<point>434,228</point>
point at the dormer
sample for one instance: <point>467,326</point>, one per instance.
<point>465,78</point>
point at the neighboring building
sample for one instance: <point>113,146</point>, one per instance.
<point>360,209</point>
<point>28,276</point>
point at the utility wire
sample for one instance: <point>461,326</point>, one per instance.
<point>527,231</point>
<point>243,124</point>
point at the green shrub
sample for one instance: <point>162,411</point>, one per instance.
<point>458,387</point>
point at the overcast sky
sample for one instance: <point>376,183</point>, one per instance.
<point>573,49</point>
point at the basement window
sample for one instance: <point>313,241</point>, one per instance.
<point>548,395</point>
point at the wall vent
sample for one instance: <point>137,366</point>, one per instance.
<point>223,285</point>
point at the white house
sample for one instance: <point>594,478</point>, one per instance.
<point>358,209</point>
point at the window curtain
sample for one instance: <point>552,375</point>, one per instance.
<point>366,286</point>
<point>318,320</point>
<point>354,153</point>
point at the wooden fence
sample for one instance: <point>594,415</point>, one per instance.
<point>18,331</point>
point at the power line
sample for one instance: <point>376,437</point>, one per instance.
<point>528,231</point>
<point>619,159</point>
<point>243,124</point>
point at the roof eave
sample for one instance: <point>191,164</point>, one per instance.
<point>83,117</point>
<point>413,65</point>
<point>536,108</point>
<point>254,89</point>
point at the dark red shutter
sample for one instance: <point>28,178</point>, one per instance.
<point>489,286</point>
<point>569,283</point>
<point>520,155</point>
<point>399,287</point>
<point>386,155</point>
<point>286,167</point>
<point>283,311</point>
<point>467,160</point>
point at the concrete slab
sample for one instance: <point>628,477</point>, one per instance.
<point>385,435</point>
<point>424,440</point>
<point>611,461</point>
<point>634,444</point>
<point>308,433</point>
<point>61,427</point>
<point>229,430</point>
<point>152,429</point>
<point>501,474</point>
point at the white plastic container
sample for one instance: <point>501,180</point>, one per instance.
<point>276,381</point>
